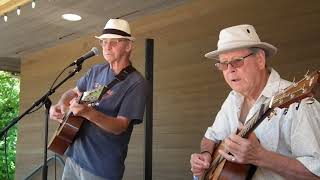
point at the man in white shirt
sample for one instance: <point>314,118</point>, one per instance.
<point>285,147</point>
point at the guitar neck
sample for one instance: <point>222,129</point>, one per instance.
<point>306,87</point>
<point>254,123</point>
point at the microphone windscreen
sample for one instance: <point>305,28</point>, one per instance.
<point>95,51</point>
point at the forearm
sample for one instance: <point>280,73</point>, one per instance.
<point>287,167</point>
<point>114,125</point>
<point>207,145</point>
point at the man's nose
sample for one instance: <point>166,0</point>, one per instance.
<point>107,45</point>
<point>230,68</point>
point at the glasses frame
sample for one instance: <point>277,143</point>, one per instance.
<point>112,42</point>
<point>235,63</point>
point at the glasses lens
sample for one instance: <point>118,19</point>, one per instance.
<point>111,42</point>
<point>236,63</point>
<point>221,66</point>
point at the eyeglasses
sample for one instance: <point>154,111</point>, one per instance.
<point>234,62</point>
<point>111,42</point>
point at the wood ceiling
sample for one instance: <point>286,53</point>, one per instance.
<point>43,26</point>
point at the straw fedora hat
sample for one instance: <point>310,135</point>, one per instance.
<point>116,28</point>
<point>239,37</point>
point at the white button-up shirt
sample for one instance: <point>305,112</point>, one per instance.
<point>293,132</point>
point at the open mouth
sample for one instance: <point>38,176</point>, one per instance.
<point>235,80</point>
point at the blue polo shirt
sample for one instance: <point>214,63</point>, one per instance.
<point>94,149</point>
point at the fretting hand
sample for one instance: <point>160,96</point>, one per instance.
<point>79,109</point>
<point>244,151</point>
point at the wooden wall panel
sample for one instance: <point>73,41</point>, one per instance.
<point>188,91</point>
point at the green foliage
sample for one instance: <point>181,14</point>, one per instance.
<point>9,109</point>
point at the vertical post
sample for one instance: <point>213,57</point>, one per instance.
<point>148,123</point>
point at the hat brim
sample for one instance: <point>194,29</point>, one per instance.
<point>268,48</point>
<point>110,36</point>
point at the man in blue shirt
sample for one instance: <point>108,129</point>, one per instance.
<point>101,146</point>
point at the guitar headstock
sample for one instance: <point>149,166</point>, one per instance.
<point>93,96</point>
<point>306,87</point>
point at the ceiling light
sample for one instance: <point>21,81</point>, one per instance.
<point>33,4</point>
<point>18,10</point>
<point>5,18</point>
<point>71,17</point>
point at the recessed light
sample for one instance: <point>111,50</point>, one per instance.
<point>71,17</point>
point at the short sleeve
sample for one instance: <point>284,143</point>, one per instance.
<point>84,81</point>
<point>226,121</point>
<point>305,139</point>
<point>133,104</point>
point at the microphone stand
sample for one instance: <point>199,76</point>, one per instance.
<point>45,100</point>
<point>47,105</point>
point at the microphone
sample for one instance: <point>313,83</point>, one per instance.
<point>94,51</point>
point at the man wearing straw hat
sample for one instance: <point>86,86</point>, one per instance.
<point>285,147</point>
<point>100,149</point>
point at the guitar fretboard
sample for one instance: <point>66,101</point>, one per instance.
<point>253,122</point>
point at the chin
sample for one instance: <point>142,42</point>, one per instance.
<point>236,88</point>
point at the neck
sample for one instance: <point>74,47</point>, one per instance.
<point>117,66</point>
<point>251,97</point>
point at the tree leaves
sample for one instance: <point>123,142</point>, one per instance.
<point>9,109</point>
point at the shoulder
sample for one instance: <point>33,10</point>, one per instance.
<point>136,78</point>
<point>231,102</point>
<point>276,81</point>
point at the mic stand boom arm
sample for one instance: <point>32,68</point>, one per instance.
<point>41,100</point>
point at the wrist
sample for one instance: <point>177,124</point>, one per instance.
<point>206,152</point>
<point>260,157</point>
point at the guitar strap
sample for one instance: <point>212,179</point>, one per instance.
<point>251,172</point>
<point>119,77</point>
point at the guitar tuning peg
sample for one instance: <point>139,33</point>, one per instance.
<point>273,113</point>
<point>298,105</point>
<point>294,84</point>
<point>307,74</point>
<point>96,104</point>
<point>285,111</point>
<point>309,100</point>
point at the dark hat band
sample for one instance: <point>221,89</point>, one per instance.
<point>115,31</point>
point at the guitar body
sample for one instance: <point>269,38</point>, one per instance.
<point>70,126</point>
<point>226,170</point>
<point>65,134</point>
<point>234,171</point>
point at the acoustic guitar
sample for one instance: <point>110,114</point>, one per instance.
<point>220,168</point>
<point>70,126</point>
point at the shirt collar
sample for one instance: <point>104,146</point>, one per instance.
<point>273,84</point>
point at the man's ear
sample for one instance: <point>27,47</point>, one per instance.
<point>129,46</point>
<point>261,59</point>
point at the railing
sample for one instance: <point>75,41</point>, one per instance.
<point>52,158</point>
